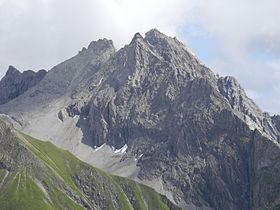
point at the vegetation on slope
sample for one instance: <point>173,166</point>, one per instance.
<point>38,175</point>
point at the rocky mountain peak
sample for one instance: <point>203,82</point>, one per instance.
<point>154,35</point>
<point>137,36</point>
<point>12,71</point>
<point>189,130</point>
<point>247,109</point>
<point>161,41</point>
<point>15,83</point>
<point>101,45</point>
<point>138,43</point>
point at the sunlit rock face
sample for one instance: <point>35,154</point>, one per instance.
<point>153,112</point>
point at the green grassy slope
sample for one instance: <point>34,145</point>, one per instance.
<point>38,175</point>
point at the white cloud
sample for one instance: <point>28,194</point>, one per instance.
<point>38,34</point>
<point>244,29</point>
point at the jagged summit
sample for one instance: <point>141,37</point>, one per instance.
<point>192,135</point>
<point>15,83</point>
<point>151,33</point>
<point>153,37</point>
<point>101,45</point>
<point>136,42</point>
<point>12,71</point>
<point>155,34</point>
<point>137,36</point>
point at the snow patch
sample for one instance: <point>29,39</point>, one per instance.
<point>100,81</point>
<point>98,148</point>
<point>121,150</point>
<point>137,158</point>
<point>252,125</point>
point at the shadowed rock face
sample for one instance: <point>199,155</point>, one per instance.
<point>276,120</point>
<point>265,169</point>
<point>250,112</point>
<point>196,134</point>
<point>192,128</point>
<point>15,83</point>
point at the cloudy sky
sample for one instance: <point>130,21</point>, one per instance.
<point>234,37</point>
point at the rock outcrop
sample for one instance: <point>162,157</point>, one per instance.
<point>152,104</point>
<point>15,83</point>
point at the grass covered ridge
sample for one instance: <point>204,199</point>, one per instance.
<point>38,175</point>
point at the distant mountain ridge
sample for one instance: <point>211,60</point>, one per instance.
<point>190,134</point>
<point>15,83</point>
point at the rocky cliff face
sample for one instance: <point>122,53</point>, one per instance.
<point>15,83</point>
<point>246,108</point>
<point>144,79</point>
<point>190,128</point>
<point>264,173</point>
<point>276,121</point>
<point>192,135</point>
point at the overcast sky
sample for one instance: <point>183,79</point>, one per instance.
<point>234,37</point>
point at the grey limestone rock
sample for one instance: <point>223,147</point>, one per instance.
<point>193,129</point>
<point>15,83</point>
<point>252,115</point>
<point>197,134</point>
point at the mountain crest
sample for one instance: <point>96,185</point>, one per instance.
<point>101,45</point>
<point>188,132</point>
<point>154,35</point>
<point>12,71</point>
<point>137,36</point>
<point>15,83</point>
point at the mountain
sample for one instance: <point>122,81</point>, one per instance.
<point>151,111</point>
<point>38,175</point>
<point>16,83</point>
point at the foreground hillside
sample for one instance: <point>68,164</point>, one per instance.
<point>38,175</point>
